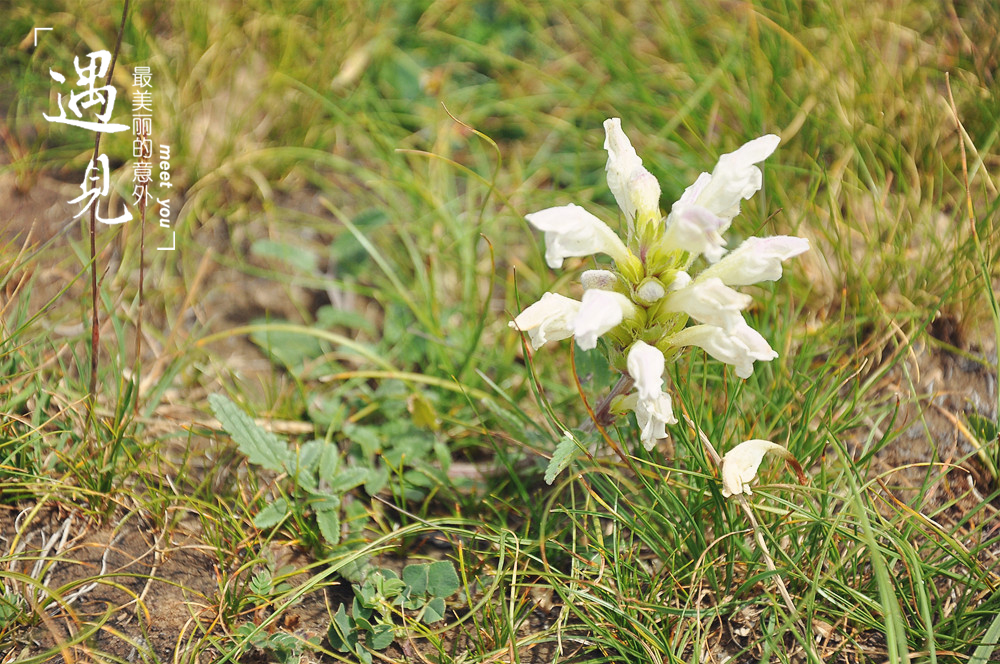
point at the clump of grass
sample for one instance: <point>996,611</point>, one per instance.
<point>384,247</point>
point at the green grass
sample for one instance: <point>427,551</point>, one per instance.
<point>350,191</point>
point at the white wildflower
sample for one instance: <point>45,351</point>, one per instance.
<point>757,259</point>
<point>635,189</point>
<point>740,464</point>
<point>739,347</point>
<point>549,319</point>
<point>572,231</point>
<point>710,301</point>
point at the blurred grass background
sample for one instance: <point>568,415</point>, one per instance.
<point>358,172</point>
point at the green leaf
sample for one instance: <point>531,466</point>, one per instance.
<point>303,468</point>
<point>261,447</point>
<point>984,651</point>
<point>593,368</point>
<point>366,437</point>
<point>342,634</point>
<point>382,636</point>
<point>252,634</point>
<point>360,611</point>
<point>565,452</point>
<point>346,479</point>
<point>329,460</point>
<point>392,588</point>
<point>443,455</point>
<point>415,577</point>
<point>434,611</point>
<point>363,624</point>
<point>377,479</point>
<point>328,521</point>
<point>422,412</point>
<point>328,316</point>
<point>346,250</point>
<point>442,580</point>
<point>261,583</point>
<point>368,593</point>
<point>272,515</point>
<point>309,454</point>
<point>327,412</point>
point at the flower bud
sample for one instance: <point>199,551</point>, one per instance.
<point>598,279</point>
<point>650,291</point>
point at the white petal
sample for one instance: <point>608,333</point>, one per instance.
<point>735,177</point>
<point>572,231</point>
<point>740,464</point>
<point>710,301</point>
<point>691,194</point>
<point>653,407</point>
<point>644,193</point>
<point>653,417</point>
<point>622,161</point>
<point>739,348</point>
<point>635,189</point>
<point>645,366</point>
<point>600,312</point>
<point>681,279</point>
<point>549,319</point>
<point>696,230</point>
<point>757,259</point>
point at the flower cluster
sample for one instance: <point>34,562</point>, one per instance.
<point>642,306</point>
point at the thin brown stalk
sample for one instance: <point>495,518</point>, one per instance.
<point>95,324</point>
<point>593,416</point>
<point>137,372</point>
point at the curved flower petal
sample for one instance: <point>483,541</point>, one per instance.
<point>549,319</point>
<point>600,311</point>
<point>710,301</point>
<point>734,178</point>
<point>653,417</point>
<point>681,279</point>
<point>740,464</point>
<point>757,259</point>
<point>691,194</point>
<point>645,366</point>
<point>572,231</point>
<point>635,189</point>
<point>653,407</point>
<point>695,230</point>
<point>740,347</point>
